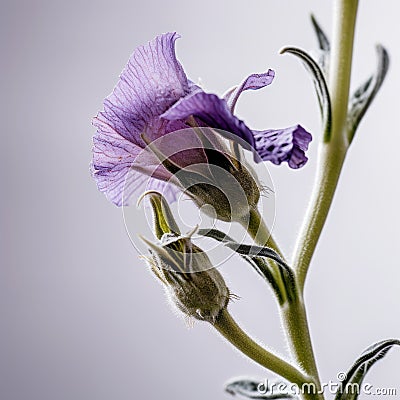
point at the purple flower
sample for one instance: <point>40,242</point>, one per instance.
<point>154,97</point>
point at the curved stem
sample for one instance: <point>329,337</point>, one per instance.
<point>294,320</point>
<point>330,166</point>
<point>333,149</point>
<point>259,231</point>
<point>228,328</point>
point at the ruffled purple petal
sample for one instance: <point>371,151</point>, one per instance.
<point>252,82</point>
<point>194,88</point>
<point>111,167</point>
<point>212,112</point>
<point>151,82</point>
<point>112,158</point>
<point>154,97</point>
<point>280,145</point>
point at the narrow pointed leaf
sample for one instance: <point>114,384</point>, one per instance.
<point>363,96</point>
<point>358,371</point>
<point>320,84</point>
<point>256,251</point>
<point>257,257</point>
<point>243,249</point>
<point>215,234</point>
<point>266,271</point>
<point>323,44</point>
<point>323,40</point>
<point>253,389</point>
<point>164,222</point>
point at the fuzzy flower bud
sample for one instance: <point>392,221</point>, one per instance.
<point>191,283</point>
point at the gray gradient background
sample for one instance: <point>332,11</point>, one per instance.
<point>81,317</point>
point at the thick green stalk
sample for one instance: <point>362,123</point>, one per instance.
<point>227,326</point>
<point>293,314</point>
<point>294,320</point>
<point>333,149</point>
<point>331,158</point>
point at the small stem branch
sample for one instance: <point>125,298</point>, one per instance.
<point>228,328</point>
<point>333,150</point>
<point>259,231</point>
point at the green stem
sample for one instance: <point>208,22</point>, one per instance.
<point>330,166</point>
<point>294,320</point>
<point>293,314</point>
<point>333,150</point>
<point>259,231</point>
<point>228,328</point>
<point>344,21</point>
<point>331,158</point>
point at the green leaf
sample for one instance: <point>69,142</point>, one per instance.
<point>258,254</point>
<point>323,44</point>
<point>323,41</point>
<point>320,84</point>
<point>356,374</point>
<point>164,221</point>
<point>243,249</point>
<point>256,251</point>
<point>267,272</point>
<point>215,234</point>
<point>280,276</point>
<point>363,96</point>
<point>253,389</point>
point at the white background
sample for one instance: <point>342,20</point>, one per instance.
<point>81,317</point>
